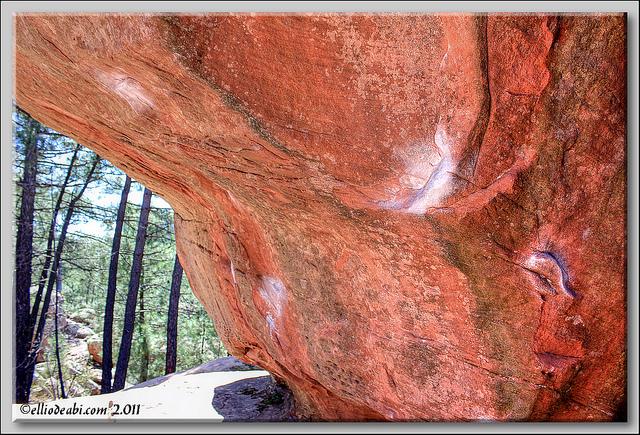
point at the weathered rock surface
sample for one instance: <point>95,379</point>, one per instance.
<point>402,217</point>
<point>226,364</point>
<point>253,400</point>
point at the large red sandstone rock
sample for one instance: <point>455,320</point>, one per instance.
<point>403,217</point>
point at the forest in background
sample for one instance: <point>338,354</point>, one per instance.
<point>68,203</point>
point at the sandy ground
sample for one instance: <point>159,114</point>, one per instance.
<point>182,396</point>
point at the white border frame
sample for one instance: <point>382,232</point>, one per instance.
<point>6,313</point>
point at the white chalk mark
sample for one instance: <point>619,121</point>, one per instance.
<point>429,180</point>
<point>233,273</point>
<point>443,62</point>
<point>274,294</point>
<point>271,323</point>
<point>438,184</point>
<point>550,271</point>
<point>128,89</point>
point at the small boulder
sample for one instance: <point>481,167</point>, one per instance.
<point>84,332</point>
<point>77,351</point>
<point>72,327</point>
<point>86,316</point>
<point>95,375</point>
<point>94,346</point>
<point>40,355</point>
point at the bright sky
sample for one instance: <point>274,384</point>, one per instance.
<point>96,194</point>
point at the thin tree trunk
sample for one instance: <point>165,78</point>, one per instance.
<point>50,239</point>
<point>24,257</point>
<point>55,321</point>
<point>56,262</point>
<point>132,296</point>
<point>172,318</point>
<point>202,343</point>
<point>107,338</point>
<point>144,363</point>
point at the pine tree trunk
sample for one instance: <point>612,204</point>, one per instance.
<point>55,322</point>
<point>172,318</point>
<point>50,239</point>
<point>52,275</point>
<point>144,363</point>
<point>202,335</point>
<point>24,257</point>
<point>132,296</point>
<point>107,338</point>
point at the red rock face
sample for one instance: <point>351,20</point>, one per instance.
<point>415,217</point>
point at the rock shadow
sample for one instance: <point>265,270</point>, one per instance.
<point>254,400</point>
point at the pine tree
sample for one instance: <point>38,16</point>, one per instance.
<point>24,258</point>
<point>107,339</point>
<point>172,318</point>
<point>37,341</point>
<point>132,296</point>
